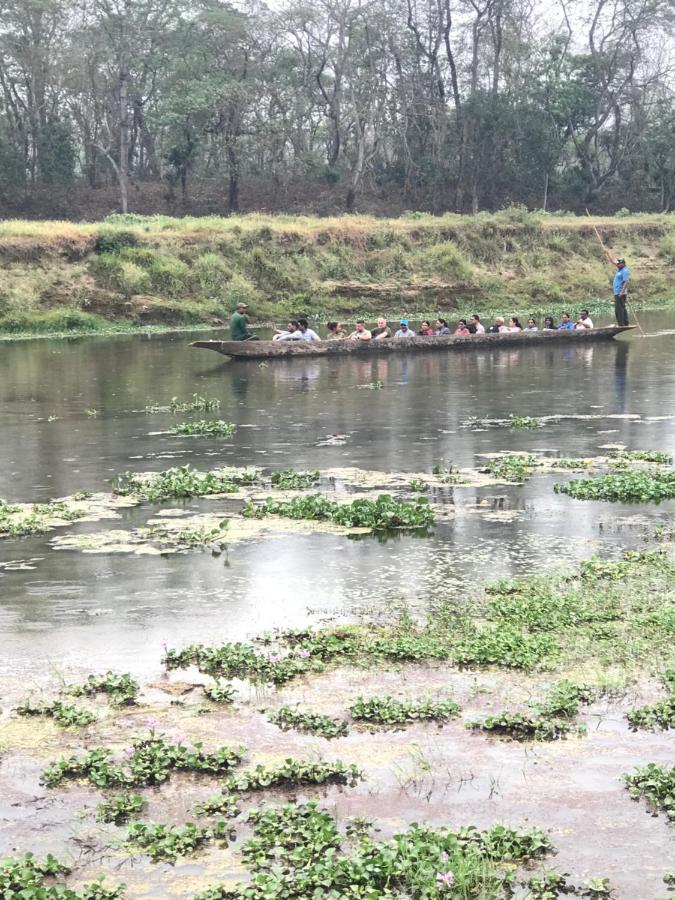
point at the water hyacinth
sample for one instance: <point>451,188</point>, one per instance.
<point>445,880</point>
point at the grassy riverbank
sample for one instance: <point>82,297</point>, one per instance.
<point>133,272</point>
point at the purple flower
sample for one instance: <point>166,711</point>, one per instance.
<point>178,739</point>
<point>128,752</point>
<point>152,724</point>
<point>275,658</point>
<point>164,645</point>
<point>304,654</point>
<point>445,880</point>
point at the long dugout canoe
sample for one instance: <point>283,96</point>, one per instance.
<point>286,349</point>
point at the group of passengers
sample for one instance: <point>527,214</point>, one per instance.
<point>299,330</point>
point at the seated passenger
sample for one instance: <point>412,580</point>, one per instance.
<point>307,333</point>
<point>425,329</point>
<point>566,324</point>
<point>549,324</point>
<point>584,321</point>
<point>291,334</point>
<point>382,330</point>
<point>531,325</point>
<point>335,331</point>
<point>442,327</point>
<point>497,326</point>
<point>361,333</point>
<point>477,324</point>
<point>462,327</point>
<point>404,331</point>
<point>514,325</point>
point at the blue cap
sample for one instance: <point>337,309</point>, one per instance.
<point>403,322</point>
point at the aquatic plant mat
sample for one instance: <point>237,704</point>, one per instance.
<point>468,754</point>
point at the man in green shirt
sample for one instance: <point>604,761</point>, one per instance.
<point>239,325</point>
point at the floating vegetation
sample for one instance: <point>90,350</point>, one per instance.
<point>293,773</point>
<point>290,480</point>
<point>648,456</point>
<point>418,486</point>
<point>564,698</point>
<point>525,421</point>
<point>191,538</point>
<point>612,612</point>
<point>447,473</point>
<point>21,520</point>
<point>309,723</point>
<point>523,727</point>
<point>219,805</point>
<point>297,851</point>
<point>656,785</point>
<point>516,467</point>
<point>205,428</point>
<point>627,487</point>
<point>122,689</point>
<point>571,463</point>
<point>179,482</point>
<point>390,711</point>
<point>220,692</point>
<point>25,877</point>
<point>120,808</point>
<point>64,714</point>
<point>167,842</point>
<point>659,715</point>
<point>381,514</point>
<point>197,404</point>
<point>148,761</point>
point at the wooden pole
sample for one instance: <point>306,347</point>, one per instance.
<point>597,234</point>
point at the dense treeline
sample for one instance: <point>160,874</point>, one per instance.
<point>390,104</point>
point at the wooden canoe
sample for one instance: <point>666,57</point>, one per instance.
<point>277,349</point>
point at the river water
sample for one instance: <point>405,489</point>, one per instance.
<point>62,610</point>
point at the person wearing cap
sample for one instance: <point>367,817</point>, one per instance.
<point>620,286</point>
<point>239,325</point>
<point>404,331</point>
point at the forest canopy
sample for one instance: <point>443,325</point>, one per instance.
<point>329,105</point>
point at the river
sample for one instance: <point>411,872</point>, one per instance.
<point>72,417</point>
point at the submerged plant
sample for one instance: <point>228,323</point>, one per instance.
<point>289,479</point>
<point>627,487</point>
<point>122,689</point>
<point>197,404</point>
<point>292,773</point>
<point>380,514</point>
<point>167,842</point>
<point>205,428</point>
<point>62,713</point>
<point>390,711</point>
<point>148,761</point>
<point>120,808</point>
<point>311,723</point>
<point>26,877</point>
<point>656,784</point>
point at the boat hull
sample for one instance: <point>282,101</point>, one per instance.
<point>288,349</point>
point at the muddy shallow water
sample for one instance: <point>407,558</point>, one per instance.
<point>72,417</point>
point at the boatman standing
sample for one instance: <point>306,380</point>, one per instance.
<point>239,325</point>
<point>620,287</point>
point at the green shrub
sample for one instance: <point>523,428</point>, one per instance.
<point>112,240</point>
<point>170,276</point>
<point>133,279</point>
<point>667,248</point>
<point>239,290</point>
<point>212,273</point>
<point>446,261</point>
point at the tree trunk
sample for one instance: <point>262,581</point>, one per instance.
<point>124,140</point>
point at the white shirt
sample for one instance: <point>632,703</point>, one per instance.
<point>405,334</point>
<point>583,324</point>
<point>309,335</point>
<point>289,336</point>
<point>480,329</point>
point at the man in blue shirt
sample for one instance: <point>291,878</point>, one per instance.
<point>620,287</point>
<point>567,324</point>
